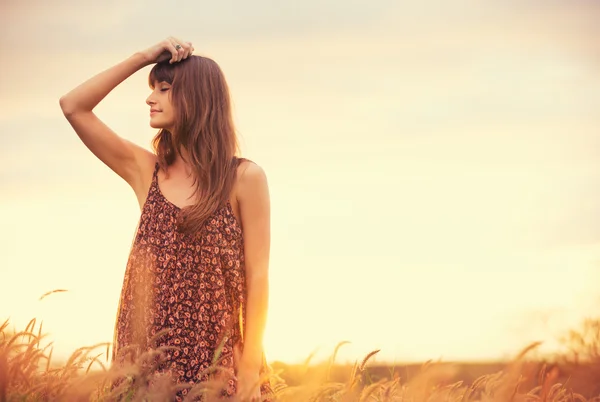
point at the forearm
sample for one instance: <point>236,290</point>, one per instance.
<point>256,318</point>
<point>87,95</point>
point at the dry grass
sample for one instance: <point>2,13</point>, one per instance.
<point>27,374</point>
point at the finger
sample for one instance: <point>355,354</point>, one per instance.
<point>186,53</point>
<point>175,51</point>
<point>168,45</point>
<point>178,49</point>
<point>189,48</point>
<point>181,42</point>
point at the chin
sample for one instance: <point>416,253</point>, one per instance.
<point>157,124</point>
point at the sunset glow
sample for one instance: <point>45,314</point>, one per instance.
<point>434,171</point>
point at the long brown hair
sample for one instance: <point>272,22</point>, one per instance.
<point>204,129</point>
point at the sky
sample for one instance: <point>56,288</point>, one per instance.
<point>433,167</point>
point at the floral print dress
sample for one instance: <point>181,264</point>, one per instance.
<point>192,288</point>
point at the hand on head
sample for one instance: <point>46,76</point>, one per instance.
<point>172,49</point>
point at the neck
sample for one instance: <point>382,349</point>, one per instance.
<point>182,162</point>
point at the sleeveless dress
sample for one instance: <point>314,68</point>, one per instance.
<point>192,288</point>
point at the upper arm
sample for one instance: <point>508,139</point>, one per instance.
<point>255,210</point>
<point>128,160</point>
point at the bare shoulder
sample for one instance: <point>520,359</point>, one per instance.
<point>251,180</point>
<point>249,170</point>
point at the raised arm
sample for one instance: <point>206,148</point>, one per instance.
<point>128,160</point>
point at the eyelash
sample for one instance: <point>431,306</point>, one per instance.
<point>164,89</point>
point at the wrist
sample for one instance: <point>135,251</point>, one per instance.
<point>141,59</point>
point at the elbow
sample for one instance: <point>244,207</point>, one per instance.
<point>66,106</point>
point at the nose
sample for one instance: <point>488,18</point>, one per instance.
<point>150,101</point>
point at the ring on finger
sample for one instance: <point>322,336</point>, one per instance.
<point>177,46</point>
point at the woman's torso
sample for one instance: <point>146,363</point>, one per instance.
<point>193,285</point>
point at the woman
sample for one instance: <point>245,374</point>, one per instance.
<point>198,267</point>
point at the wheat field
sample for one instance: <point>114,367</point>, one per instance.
<point>28,373</point>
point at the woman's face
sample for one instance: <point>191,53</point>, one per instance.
<point>161,110</point>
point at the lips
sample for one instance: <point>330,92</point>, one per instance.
<point>153,111</point>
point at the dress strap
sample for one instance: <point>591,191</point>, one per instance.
<point>155,174</point>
